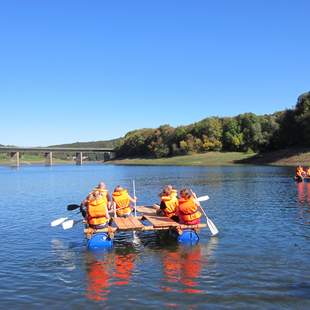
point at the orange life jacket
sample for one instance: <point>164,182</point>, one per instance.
<point>122,201</point>
<point>300,172</point>
<point>188,210</point>
<point>308,172</point>
<point>174,193</point>
<point>171,203</point>
<point>96,211</point>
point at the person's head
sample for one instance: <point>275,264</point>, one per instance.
<point>185,193</point>
<point>166,190</point>
<point>169,187</point>
<point>118,188</point>
<point>97,194</point>
<point>91,196</point>
<point>101,185</point>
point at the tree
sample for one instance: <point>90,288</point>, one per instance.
<point>302,117</point>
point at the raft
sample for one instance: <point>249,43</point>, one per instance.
<point>98,239</point>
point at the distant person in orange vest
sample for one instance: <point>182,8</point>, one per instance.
<point>188,210</point>
<point>122,201</point>
<point>168,203</point>
<point>300,173</point>
<point>308,172</point>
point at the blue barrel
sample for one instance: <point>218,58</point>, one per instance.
<point>188,236</point>
<point>99,241</point>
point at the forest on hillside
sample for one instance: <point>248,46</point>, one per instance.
<point>245,133</point>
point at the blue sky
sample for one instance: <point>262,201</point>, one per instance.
<point>93,70</point>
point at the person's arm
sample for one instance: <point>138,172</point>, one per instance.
<point>133,199</point>
<point>162,205</point>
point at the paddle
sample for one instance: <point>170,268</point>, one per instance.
<point>70,223</point>
<point>58,221</point>
<point>136,239</point>
<point>203,198</point>
<point>72,207</point>
<point>211,225</point>
<point>134,195</point>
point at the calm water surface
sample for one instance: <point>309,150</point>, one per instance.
<point>260,260</point>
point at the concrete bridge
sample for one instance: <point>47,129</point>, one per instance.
<point>15,152</point>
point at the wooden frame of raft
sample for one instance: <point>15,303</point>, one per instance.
<point>134,223</point>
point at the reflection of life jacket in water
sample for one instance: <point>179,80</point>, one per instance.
<point>188,211</point>
<point>170,205</point>
<point>113,270</point>
<point>96,210</point>
<point>98,281</point>
<point>124,265</point>
<point>122,201</point>
<point>183,267</point>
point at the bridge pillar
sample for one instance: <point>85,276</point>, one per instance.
<point>79,158</point>
<point>15,155</point>
<point>48,158</point>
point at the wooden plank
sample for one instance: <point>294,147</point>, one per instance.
<point>128,223</point>
<point>146,210</point>
<point>135,222</point>
<point>161,221</point>
<point>114,229</point>
<point>120,223</point>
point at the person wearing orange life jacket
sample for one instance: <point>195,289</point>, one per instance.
<point>308,172</point>
<point>168,203</point>
<point>300,173</point>
<point>121,201</point>
<point>188,210</point>
<point>97,214</point>
<point>101,188</point>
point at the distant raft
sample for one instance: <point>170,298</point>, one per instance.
<point>103,238</point>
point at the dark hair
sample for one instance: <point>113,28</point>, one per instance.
<point>186,193</point>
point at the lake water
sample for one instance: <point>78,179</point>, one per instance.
<point>260,260</point>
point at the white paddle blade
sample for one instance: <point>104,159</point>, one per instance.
<point>67,224</point>
<point>203,198</point>
<point>58,221</point>
<point>212,227</point>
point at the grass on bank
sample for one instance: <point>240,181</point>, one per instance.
<point>206,159</point>
<point>287,157</point>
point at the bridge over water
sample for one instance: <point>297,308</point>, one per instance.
<point>15,152</point>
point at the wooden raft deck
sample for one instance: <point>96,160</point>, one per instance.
<point>134,223</point>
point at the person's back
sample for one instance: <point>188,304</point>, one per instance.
<point>169,203</point>
<point>122,200</point>
<point>188,208</point>
<point>97,215</point>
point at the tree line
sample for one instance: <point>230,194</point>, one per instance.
<point>246,132</point>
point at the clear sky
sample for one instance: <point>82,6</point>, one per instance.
<point>93,70</point>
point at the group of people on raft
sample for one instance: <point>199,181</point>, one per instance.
<point>98,205</point>
<point>302,173</point>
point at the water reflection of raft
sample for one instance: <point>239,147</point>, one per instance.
<point>103,238</point>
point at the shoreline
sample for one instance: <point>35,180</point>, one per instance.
<point>287,158</point>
